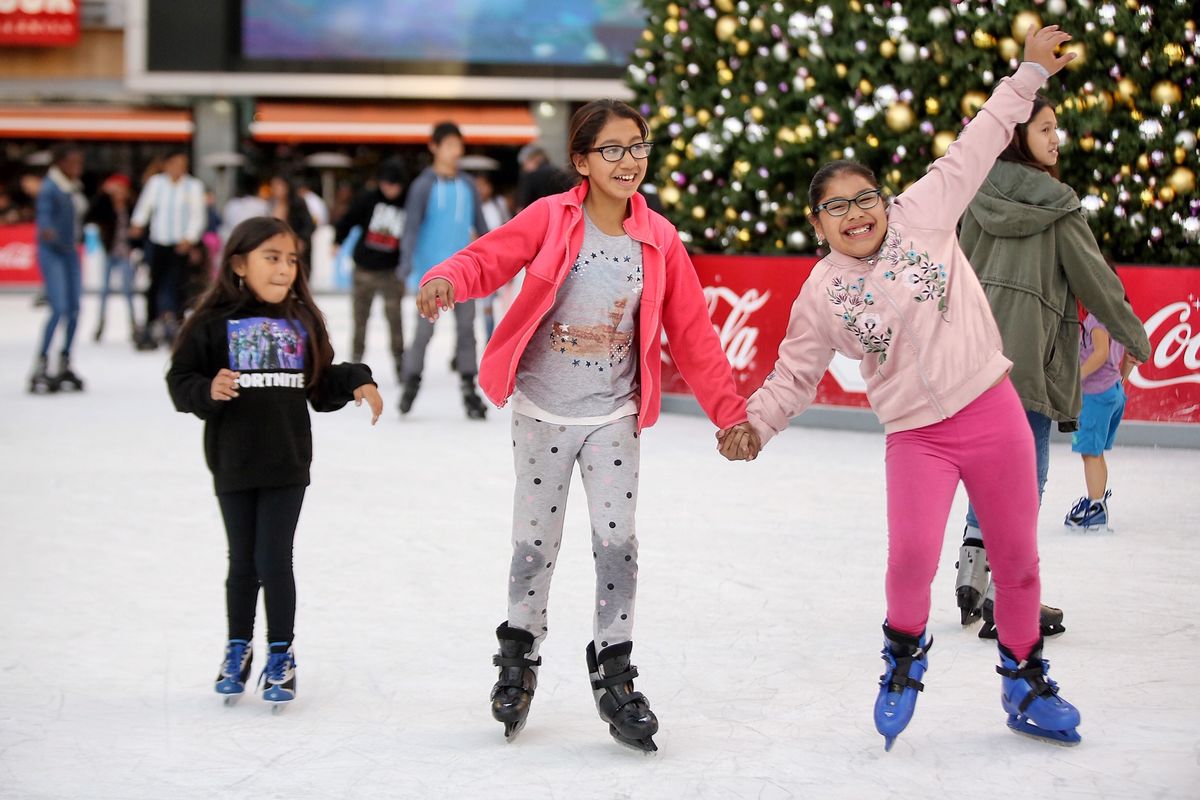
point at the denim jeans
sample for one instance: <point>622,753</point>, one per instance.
<point>123,266</point>
<point>1040,425</point>
<point>61,277</point>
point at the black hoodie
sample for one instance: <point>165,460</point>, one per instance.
<point>263,437</point>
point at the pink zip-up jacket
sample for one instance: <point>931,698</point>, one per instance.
<point>545,238</point>
<point>914,312</point>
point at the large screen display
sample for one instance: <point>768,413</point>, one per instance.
<point>569,33</point>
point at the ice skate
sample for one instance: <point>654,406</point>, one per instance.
<point>67,380</point>
<point>907,659</point>
<point>627,712</point>
<point>278,678</point>
<point>472,402</point>
<point>412,385</point>
<point>1090,515</point>
<point>513,692</point>
<point>41,381</point>
<point>1050,619</point>
<point>235,670</point>
<point>972,575</point>
<point>1031,699</point>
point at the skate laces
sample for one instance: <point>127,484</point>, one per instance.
<point>277,666</point>
<point>235,651</point>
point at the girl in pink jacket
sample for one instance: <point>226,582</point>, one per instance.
<point>579,353</point>
<point>896,292</point>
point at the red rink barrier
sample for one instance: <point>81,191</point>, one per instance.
<point>18,255</point>
<point>750,297</point>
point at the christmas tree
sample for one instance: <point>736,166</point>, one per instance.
<point>747,99</point>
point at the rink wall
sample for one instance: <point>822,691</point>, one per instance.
<point>750,297</point>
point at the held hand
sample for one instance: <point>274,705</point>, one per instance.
<point>224,385</point>
<point>434,297</point>
<point>370,393</point>
<point>183,248</point>
<point>739,443</point>
<point>1040,45</point>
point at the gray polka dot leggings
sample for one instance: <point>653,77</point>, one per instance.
<point>545,455</point>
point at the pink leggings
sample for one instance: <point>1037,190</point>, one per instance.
<point>989,447</point>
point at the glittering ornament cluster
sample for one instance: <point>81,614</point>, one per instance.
<point>746,100</point>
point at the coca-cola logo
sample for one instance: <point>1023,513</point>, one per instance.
<point>1174,344</point>
<point>738,339</point>
<point>17,256</point>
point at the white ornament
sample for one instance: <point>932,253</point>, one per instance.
<point>797,240</point>
<point>938,16</point>
<point>1057,7</point>
<point>1185,139</point>
<point>1150,129</point>
<point>907,52</point>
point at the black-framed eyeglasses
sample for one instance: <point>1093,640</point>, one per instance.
<point>838,206</point>
<point>615,152</point>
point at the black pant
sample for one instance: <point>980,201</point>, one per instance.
<point>261,524</point>
<point>168,276</point>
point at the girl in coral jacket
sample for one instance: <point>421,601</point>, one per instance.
<point>896,292</point>
<point>579,355</point>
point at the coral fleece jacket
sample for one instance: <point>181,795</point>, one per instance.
<point>544,239</point>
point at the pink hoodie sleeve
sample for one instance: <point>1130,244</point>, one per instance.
<point>804,356</point>
<point>937,201</point>
<point>693,342</point>
<point>493,259</point>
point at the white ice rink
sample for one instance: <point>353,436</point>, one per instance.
<point>758,617</point>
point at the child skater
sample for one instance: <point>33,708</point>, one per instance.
<point>579,354</point>
<point>896,292</point>
<point>257,433</point>
<point>1103,367</point>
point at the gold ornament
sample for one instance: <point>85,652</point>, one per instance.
<point>872,140</point>
<point>726,28</point>
<point>810,82</point>
<point>887,48</point>
<point>672,160</point>
<point>743,236</point>
<point>703,116</point>
<point>894,177</point>
<point>698,212</point>
<point>972,101</point>
<point>725,75</point>
<point>943,80</point>
<point>941,143</point>
<point>1132,5</point>
<point>1109,38</point>
<point>1147,197</point>
<point>757,25</point>
<point>1023,22</point>
<point>1126,89</point>
<point>1166,93</point>
<point>1182,180</point>
<point>804,132</point>
<point>1180,155</point>
<point>1080,51</point>
<point>1087,143</point>
<point>757,114</point>
<point>1143,162</point>
<point>856,6</point>
<point>1126,170</point>
<point>1009,48</point>
<point>900,117</point>
<point>670,195</point>
<point>786,135</point>
<point>932,106</point>
<point>742,47</point>
<point>983,40</point>
<point>1166,194</point>
<point>671,26</point>
<point>840,69</point>
<point>672,10</point>
<point>725,6</point>
<point>865,86</point>
<point>740,168</point>
<point>731,214</point>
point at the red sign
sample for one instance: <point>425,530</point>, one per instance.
<point>750,299</point>
<point>39,23</point>
<point>18,254</point>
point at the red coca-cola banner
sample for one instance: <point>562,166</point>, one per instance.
<point>39,23</point>
<point>750,298</point>
<point>18,255</point>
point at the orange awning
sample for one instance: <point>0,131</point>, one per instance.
<point>126,123</point>
<point>402,123</point>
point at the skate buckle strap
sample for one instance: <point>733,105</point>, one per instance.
<point>615,680</point>
<point>1040,684</point>
<point>518,661</point>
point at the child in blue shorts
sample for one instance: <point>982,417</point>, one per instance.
<point>1103,367</point>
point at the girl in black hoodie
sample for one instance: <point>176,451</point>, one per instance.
<point>257,434</point>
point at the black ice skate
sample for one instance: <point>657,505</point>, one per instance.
<point>67,380</point>
<point>972,577</point>
<point>472,402</point>
<point>411,387</point>
<point>513,692</point>
<point>1050,619</point>
<point>628,714</point>
<point>41,381</point>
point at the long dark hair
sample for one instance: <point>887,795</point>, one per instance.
<point>1018,150</point>
<point>587,122</point>
<point>228,295</point>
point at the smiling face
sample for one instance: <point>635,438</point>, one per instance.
<point>613,181</point>
<point>858,233</point>
<point>1041,137</point>
<point>269,269</point>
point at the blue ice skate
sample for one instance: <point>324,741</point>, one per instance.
<point>907,660</point>
<point>235,670</point>
<point>278,678</point>
<point>1031,699</point>
<point>1090,515</point>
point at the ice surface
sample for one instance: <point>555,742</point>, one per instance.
<point>758,621</point>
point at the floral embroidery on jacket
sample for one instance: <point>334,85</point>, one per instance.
<point>854,303</point>
<point>926,280</point>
